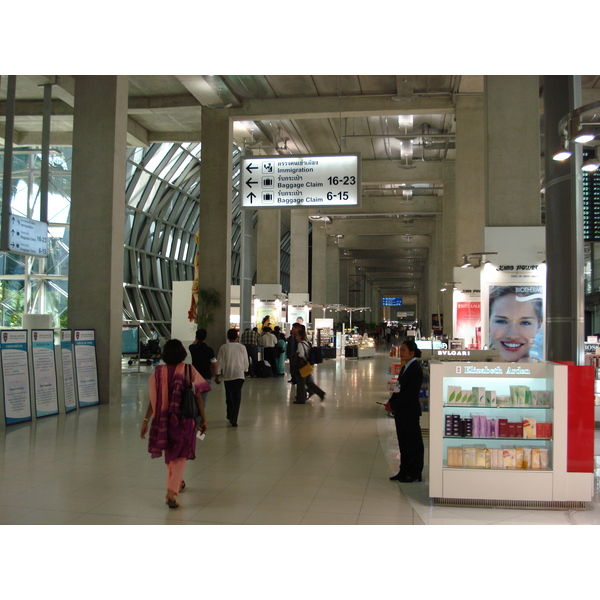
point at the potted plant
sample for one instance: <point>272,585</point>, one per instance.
<point>208,301</point>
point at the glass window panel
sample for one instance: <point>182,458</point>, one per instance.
<point>155,156</point>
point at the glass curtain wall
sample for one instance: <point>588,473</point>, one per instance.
<point>161,221</point>
<point>32,285</point>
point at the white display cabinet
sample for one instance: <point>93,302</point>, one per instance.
<point>486,470</point>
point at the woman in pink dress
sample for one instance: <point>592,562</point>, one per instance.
<point>170,433</point>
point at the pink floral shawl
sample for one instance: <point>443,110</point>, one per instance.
<point>169,432</point>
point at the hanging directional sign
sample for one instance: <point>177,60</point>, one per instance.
<point>308,181</point>
<point>26,236</point>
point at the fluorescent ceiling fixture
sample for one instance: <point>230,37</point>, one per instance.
<point>405,122</point>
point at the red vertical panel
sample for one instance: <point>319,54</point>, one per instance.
<point>580,420</point>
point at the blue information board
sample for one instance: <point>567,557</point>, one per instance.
<point>131,340</point>
<point>391,301</point>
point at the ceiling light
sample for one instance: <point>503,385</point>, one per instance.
<point>561,155</point>
<point>591,165</point>
<point>583,136</point>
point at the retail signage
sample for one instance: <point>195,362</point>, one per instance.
<point>307,181</point>
<point>26,236</point>
<point>44,372</point>
<point>85,367</point>
<point>297,314</point>
<point>489,370</point>
<point>66,352</point>
<point>15,376</point>
<point>266,314</point>
<point>468,319</point>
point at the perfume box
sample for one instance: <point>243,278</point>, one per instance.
<point>454,394</point>
<point>509,458</point>
<point>478,396</point>
<point>502,427</point>
<point>448,425</point>
<point>469,455</point>
<point>529,427</point>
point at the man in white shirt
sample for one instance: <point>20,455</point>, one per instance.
<point>232,361</point>
<point>268,341</point>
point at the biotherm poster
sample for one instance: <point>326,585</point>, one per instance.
<point>15,376</point>
<point>516,322</point>
<point>84,345</point>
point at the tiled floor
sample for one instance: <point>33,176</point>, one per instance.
<point>319,464</point>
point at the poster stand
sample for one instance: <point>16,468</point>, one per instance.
<point>15,376</point>
<point>68,376</point>
<point>86,370</point>
<point>45,385</point>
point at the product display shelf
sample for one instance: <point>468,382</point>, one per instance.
<point>491,467</point>
<point>358,346</point>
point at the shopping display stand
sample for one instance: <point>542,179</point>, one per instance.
<point>565,477</point>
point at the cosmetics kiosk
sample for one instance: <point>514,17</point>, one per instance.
<point>359,346</point>
<point>511,435</point>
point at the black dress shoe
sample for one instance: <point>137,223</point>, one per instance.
<point>406,479</point>
<point>298,402</point>
<point>397,477</point>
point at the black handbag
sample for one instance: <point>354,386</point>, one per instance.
<point>189,408</point>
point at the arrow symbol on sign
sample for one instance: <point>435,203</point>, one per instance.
<point>251,195</point>
<point>250,167</point>
<point>250,182</point>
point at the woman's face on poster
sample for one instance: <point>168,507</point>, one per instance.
<point>513,327</point>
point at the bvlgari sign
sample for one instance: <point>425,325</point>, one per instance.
<point>308,181</point>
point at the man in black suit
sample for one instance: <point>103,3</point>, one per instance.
<point>406,407</point>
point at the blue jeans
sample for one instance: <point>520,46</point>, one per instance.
<point>204,398</point>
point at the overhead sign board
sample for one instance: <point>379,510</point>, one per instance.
<point>308,181</point>
<point>391,301</point>
<point>26,236</point>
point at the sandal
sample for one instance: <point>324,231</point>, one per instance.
<point>182,486</point>
<point>172,503</point>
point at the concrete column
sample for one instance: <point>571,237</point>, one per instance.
<point>268,244</point>
<point>512,119</point>
<point>375,305</point>
<point>344,281</point>
<point>332,288</point>
<point>215,216</point>
<point>299,251</point>
<point>247,268</point>
<point>448,260</point>
<point>319,264</point>
<point>565,294</point>
<point>470,175</point>
<point>98,221</point>
<point>433,278</point>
